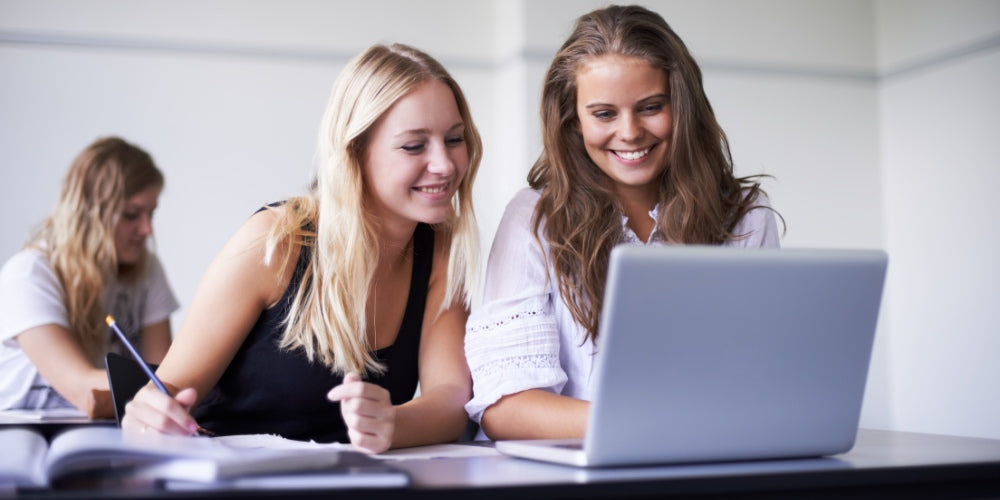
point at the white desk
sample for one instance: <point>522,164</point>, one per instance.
<point>881,464</point>
<point>880,461</point>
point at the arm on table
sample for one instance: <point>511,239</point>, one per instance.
<point>236,287</point>
<point>61,361</point>
<point>535,414</point>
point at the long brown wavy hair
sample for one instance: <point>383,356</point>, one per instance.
<point>700,200</point>
<point>79,235</point>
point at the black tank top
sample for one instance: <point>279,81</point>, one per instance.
<point>267,390</point>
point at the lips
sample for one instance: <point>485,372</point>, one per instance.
<point>632,155</point>
<point>433,189</point>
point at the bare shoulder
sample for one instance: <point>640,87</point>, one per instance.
<point>252,236</point>
<point>248,250</point>
<point>260,224</point>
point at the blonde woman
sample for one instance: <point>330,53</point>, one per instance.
<point>89,259</point>
<point>632,147</point>
<point>322,314</point>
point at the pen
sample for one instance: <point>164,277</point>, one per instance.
<point>110,320</point>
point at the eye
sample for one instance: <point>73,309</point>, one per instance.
<point>130,216</point>
<point>413,147</point>
<point>652,109</point>
<point>603,114</point>
<point>454,141</point>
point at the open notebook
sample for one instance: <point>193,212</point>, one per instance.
<point>85,454</point>
<point>719,354</point>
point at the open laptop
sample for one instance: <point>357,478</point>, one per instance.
<point>725,354</point>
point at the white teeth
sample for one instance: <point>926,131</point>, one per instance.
<point>632,155</point>
<point>432,190</point>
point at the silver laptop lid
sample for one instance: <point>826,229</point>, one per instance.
<point>714,353</point>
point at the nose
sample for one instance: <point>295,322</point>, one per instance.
<point>145,226</point>
<point>630,128</point>
<point>440,161</point>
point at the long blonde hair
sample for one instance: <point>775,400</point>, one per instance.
<point>327,317</point>
<point>78,237</point>
<point>700,200</point>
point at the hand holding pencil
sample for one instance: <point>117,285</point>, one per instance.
<point>156,409</point>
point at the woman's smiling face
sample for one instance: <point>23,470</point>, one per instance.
<point>417,156</point>
<point>623,108</point>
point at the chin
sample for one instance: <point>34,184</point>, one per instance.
<point>435,217</point>
<point>131,258</point>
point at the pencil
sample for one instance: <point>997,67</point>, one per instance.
<point>135,354</point>
<point>110,320</point>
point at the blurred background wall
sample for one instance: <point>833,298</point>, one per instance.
<point>876,119</point>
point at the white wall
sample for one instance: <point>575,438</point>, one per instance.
<point>938,106</point>
<point>226,96</point>
<point>845,102</point>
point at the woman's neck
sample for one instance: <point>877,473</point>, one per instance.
<point>395,242</point>
<point>636,204</point>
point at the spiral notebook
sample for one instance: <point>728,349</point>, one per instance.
<point>723,354</point>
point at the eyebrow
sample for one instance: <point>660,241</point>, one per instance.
<point>140,206</point>
<point>663,95</point>
<point>427,131</point>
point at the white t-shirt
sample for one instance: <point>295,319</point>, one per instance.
<point>523,336</point>
<point>31,296</point>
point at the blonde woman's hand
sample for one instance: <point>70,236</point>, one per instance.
<point>153,411</point>
<point>368,413</point>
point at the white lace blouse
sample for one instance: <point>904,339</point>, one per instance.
<point>523,335</point>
